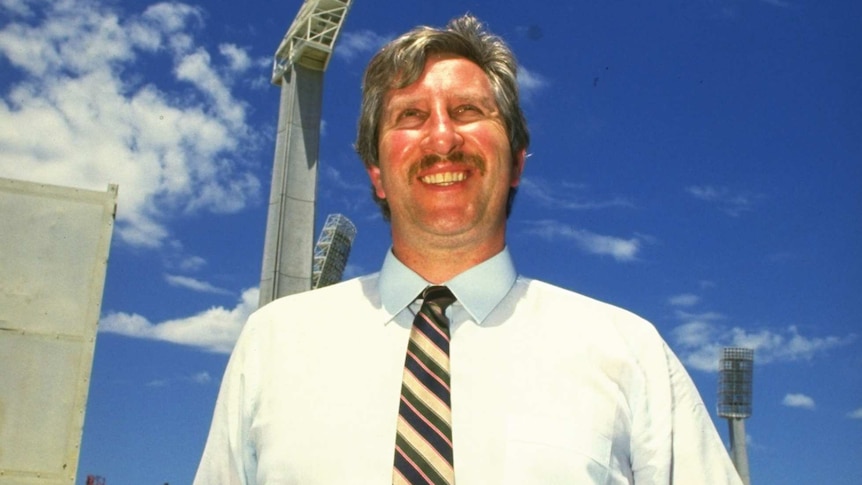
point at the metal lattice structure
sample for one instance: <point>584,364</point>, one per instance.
<point>734,385</point>
<point>332,250</point>
<point>311,37</point>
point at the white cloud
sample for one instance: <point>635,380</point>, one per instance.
<point>623,250</point>
<point>706,193</point>
<point>159,383</point>
<point>684,300</point>
<point>752,444</point>
<point>798,401</point>
<point>529,82</point>
<point>700,340</point>
<point>17,7</point>
<point>777,3</point>
<point>857,414</point>
<point>171,17</point>
<point>202,377</point>
<point>215,329</point>
<point>85,113</point>
<point>351,45</point>
<point>199,378</point>
<point>197,69</point>
<point>336,178</point>
<point>238,59</point>
<point>732,203</point>
<point>195,285</point>
<point>565,196</point>
<point>192,263</point>
<point>694,334</point>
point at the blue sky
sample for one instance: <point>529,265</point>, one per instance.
<point>698,162</point>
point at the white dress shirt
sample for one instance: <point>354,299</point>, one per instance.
<point>548,387</point>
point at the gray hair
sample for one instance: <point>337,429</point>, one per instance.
<point>402,61</point>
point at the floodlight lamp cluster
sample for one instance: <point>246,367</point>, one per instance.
<point>332,250</point>
<point>736,370</point>
<point>311,37</point>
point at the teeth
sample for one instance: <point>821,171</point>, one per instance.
<point>445,178</point>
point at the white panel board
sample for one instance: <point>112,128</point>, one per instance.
<point>54,245</point>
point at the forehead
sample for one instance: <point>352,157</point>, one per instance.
<point>445,75</point>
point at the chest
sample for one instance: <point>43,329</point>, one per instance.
<point>525,408</point>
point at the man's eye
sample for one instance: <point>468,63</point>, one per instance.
<point>467,110</point>
<point>409,113</point>
<point>409,118</point>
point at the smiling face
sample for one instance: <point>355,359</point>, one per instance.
<point>445,163</point>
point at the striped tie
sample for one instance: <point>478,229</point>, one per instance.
<point>423,444</point>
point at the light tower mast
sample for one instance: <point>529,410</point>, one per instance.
<point>300,61</point>
<point>734,402</point>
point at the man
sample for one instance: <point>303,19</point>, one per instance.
<point>547,386</point>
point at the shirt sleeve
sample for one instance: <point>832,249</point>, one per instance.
<point>673,440</point>
<point>229,456</point>
<point>699,455</point>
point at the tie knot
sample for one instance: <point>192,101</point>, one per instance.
<point>440,296</point>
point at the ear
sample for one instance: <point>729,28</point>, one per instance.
<point>518,167</point>
<point>376,180</point>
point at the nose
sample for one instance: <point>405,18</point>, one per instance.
<point>442,136</point>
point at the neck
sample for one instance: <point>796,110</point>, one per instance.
<point>439,264</point>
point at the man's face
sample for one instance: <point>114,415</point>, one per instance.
<point>445,161</point>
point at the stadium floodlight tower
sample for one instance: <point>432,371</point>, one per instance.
<point>298,68</point>
<point>332,250</point>
<point>734,402</point>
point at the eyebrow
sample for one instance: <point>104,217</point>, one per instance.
<point>398,102</point>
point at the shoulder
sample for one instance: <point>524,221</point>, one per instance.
<point>584,315</point>
<point>546,297</point>
<point>328,304</point>
<point>356,291</point>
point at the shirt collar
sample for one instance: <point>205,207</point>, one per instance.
<point>479,289</point>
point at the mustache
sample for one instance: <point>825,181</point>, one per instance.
<point>458,158</point>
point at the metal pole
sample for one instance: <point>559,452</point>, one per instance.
<point>298,68</point>
<point>738,452</point>
<point>289,243</point>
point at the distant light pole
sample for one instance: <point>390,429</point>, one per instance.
<point>332,250</point>
<point>734,402</point>
<point>300,61</point>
